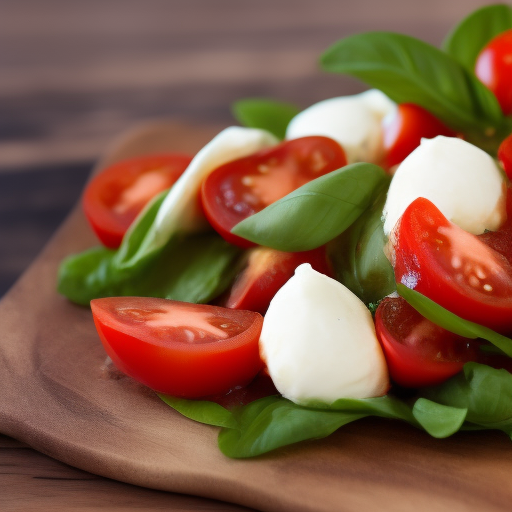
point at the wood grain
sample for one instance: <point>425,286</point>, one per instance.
<point>74,74</point>
<point>58,397</point>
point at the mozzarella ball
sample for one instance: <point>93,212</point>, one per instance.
<point>319,342</point>
<point>463,181</point>
<point>353,121</point>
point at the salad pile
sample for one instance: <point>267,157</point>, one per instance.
<point>313,268</point>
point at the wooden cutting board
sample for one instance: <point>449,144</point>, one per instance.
<point>58,397</point>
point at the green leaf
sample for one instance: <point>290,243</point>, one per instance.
<point>271,423</point>
<point>437,419</point>
<point>485,392</point>
<point>451,322</point>
<point>315,213</point>
<point>269,115</point>
<point>87,275</point>
<point>358,256</point>
<point>136,233</point>
<point>196,268</point>
<point>467,39</point>
<point>411,71</point>
<point>209,413</point>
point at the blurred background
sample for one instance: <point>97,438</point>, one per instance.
<point>73,75</point>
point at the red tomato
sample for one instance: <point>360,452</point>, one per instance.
<point>418,352</point>
<point>113,198</point>
<point>452,267</point>
<point>505,155</point>
<point>404,129</point>
<point>494,69</point>
<point>268,270</point>
<point>501,240</point>
<point>178,348</point>
<point>243,187</point>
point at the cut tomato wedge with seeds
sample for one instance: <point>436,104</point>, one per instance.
<point>178,348</point>
<point>246,186</point>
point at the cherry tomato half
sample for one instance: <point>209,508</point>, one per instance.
<point>418,352</point>
<point>113,198</point>
<point>494,69</point>
<point>178,348</point>
<point>243,187</point>
<point>267,270</point>
<point>403,130</point>
<point>505,155</point>
<point>452,267</point>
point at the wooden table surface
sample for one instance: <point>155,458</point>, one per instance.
<point>73,75</point>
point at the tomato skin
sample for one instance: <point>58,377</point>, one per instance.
<point>111,200</point>
<point>418,352</point>
<point>501,240</point>
<point>452,267</point>
<point>246,186</point>
<point>404,129</point>
<point>494,69</point>
<point>266,272</point>
<point>134,334</point>
<point>505,156</point>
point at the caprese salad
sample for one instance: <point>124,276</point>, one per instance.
<point>315,267</point>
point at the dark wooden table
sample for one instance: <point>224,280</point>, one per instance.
<point>73,75</point>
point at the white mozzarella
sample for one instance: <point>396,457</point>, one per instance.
<point>463,181</point>
<point>353,121</point>
<point>319,342</point>
<point>180,210</point>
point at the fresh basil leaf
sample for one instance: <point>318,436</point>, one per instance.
<point>467,39</point>
<point>485,392</point>
<point>134,237</point>
<point>437,419</point>
<point>451,322</point>
<point>192,269</point>
<point>209,413</point>
<point>315,213</point>
<point>411,71</point>
<point>358,257</point>
<point>268,424</point>
<point>88,275</point>
<point>269,115</point>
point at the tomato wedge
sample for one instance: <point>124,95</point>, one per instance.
<point>418,352</point>
<point>113,199</point>
<point>403,130</point>
<point>452,267</point>
<point>266,271</point>
<point>494,69</point>
<point>178,348</point>
<point>505,156</point>
<point>244,187</point>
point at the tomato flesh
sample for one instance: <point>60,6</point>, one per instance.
<point>246,186</point>
<point>418,352</point>
<point>494,69</point>
<point>505,156</point>
<point>178,348</point>
<point>113,199</point>
<point>452,267</point>
<point>266,272</point>
<point>403,130</point>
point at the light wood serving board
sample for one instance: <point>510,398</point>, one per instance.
<point>56,396</point>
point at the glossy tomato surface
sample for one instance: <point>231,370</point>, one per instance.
<point>113,199</point>
<point>178,348</point>
<point>267,270</point>
<point>453,267</point>
<point>505,156</point>
<point>403,130</point>
<point>244,187</point>
<point>494,69</point>
<point>418,352</point>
